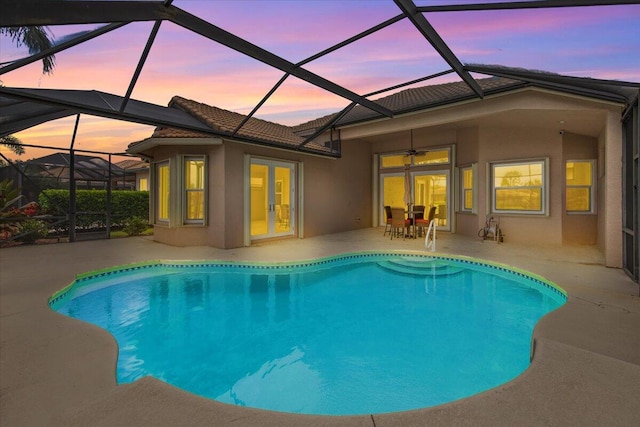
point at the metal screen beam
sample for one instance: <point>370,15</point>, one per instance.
<point>143,58</point>
<point>34,119</point>
<point>257,107</point>
<point>577,85</point>
<point>62,46</point>
<point>534,4</point>
<point>432,36</point>
<point>103,104</point>
<point>514,73</point>
<point>29,12</point>
<point>352,39</point>
<point>212,32</point>
<point>331,122</point>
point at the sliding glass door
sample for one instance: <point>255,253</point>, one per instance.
<point>429,188</point>
<point>432,189</point>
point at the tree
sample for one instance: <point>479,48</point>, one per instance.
<point>511,179</point>
<point>36,39</point>
<point>13,143</point>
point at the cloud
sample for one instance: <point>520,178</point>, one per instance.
<point>593,41</point>
<point>94,134</point>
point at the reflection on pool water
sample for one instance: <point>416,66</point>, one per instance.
<point>354,334</point>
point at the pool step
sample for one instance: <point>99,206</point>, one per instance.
<point>428,267</point>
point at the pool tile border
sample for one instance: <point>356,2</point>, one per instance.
<point>179,264</point>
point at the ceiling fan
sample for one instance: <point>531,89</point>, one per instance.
<point>411,152</point>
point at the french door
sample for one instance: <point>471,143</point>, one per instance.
<point>272,201</point>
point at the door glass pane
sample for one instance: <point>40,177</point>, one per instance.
<point>431,190</point>
<point>259,199</point>
<point>393,191</point>
<point>283,199</point>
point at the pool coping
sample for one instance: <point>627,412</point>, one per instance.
<point>59,371</point>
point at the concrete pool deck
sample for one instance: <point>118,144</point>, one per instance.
<point>57,371</point>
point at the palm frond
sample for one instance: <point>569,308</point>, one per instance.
<point>37,39</point>
<point>13,143</point>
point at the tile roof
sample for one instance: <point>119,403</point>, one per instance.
<point>132,164</point>
<point>420,98</point>
<point>225,122</point>
<point>414,99</point>
<point>425,97</point>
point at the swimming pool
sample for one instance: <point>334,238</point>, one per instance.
<point>353,334</point>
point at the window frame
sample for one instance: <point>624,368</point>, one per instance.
<point>184,190</point>
<point>472,168</point>
<point>592,188</point>
<point>544,188</point>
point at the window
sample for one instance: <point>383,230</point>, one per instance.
<point>194,178</point>
<point>422,158</point>
<point>467,189</point>
<point>519,187</point>
<point>143,184</point>
<point>432,157</point>
<point>392,161</point>
<point>579,190</point>
<point>162,195</point>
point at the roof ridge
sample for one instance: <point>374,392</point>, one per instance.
<point>181,101</point>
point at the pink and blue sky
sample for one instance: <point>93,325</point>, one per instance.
<point>598,42</point>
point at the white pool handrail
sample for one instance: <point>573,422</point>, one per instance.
<point>430,244</point>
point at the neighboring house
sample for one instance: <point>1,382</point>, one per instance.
<point>136,173</point>
<point>545,159</point>
<point>54,171</point>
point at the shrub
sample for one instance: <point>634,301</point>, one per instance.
<point>36,230</point>
<point>8,194</point>
<point>135,226</point>
<point>124,205</point>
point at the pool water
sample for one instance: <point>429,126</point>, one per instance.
<point>356,334</point>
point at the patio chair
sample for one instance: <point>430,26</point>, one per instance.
<point>418,213</point>
<point>422,224</point>
<point>387,213</point>
<point>399,223</point>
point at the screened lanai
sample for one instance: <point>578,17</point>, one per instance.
<point>125,60</point>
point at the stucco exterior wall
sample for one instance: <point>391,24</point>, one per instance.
<point>507,144</point>
<point>193,235</point>
<point>610,221</point>
<point>467,153</point>
<point>337,194</point>
<point>579,228</point>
